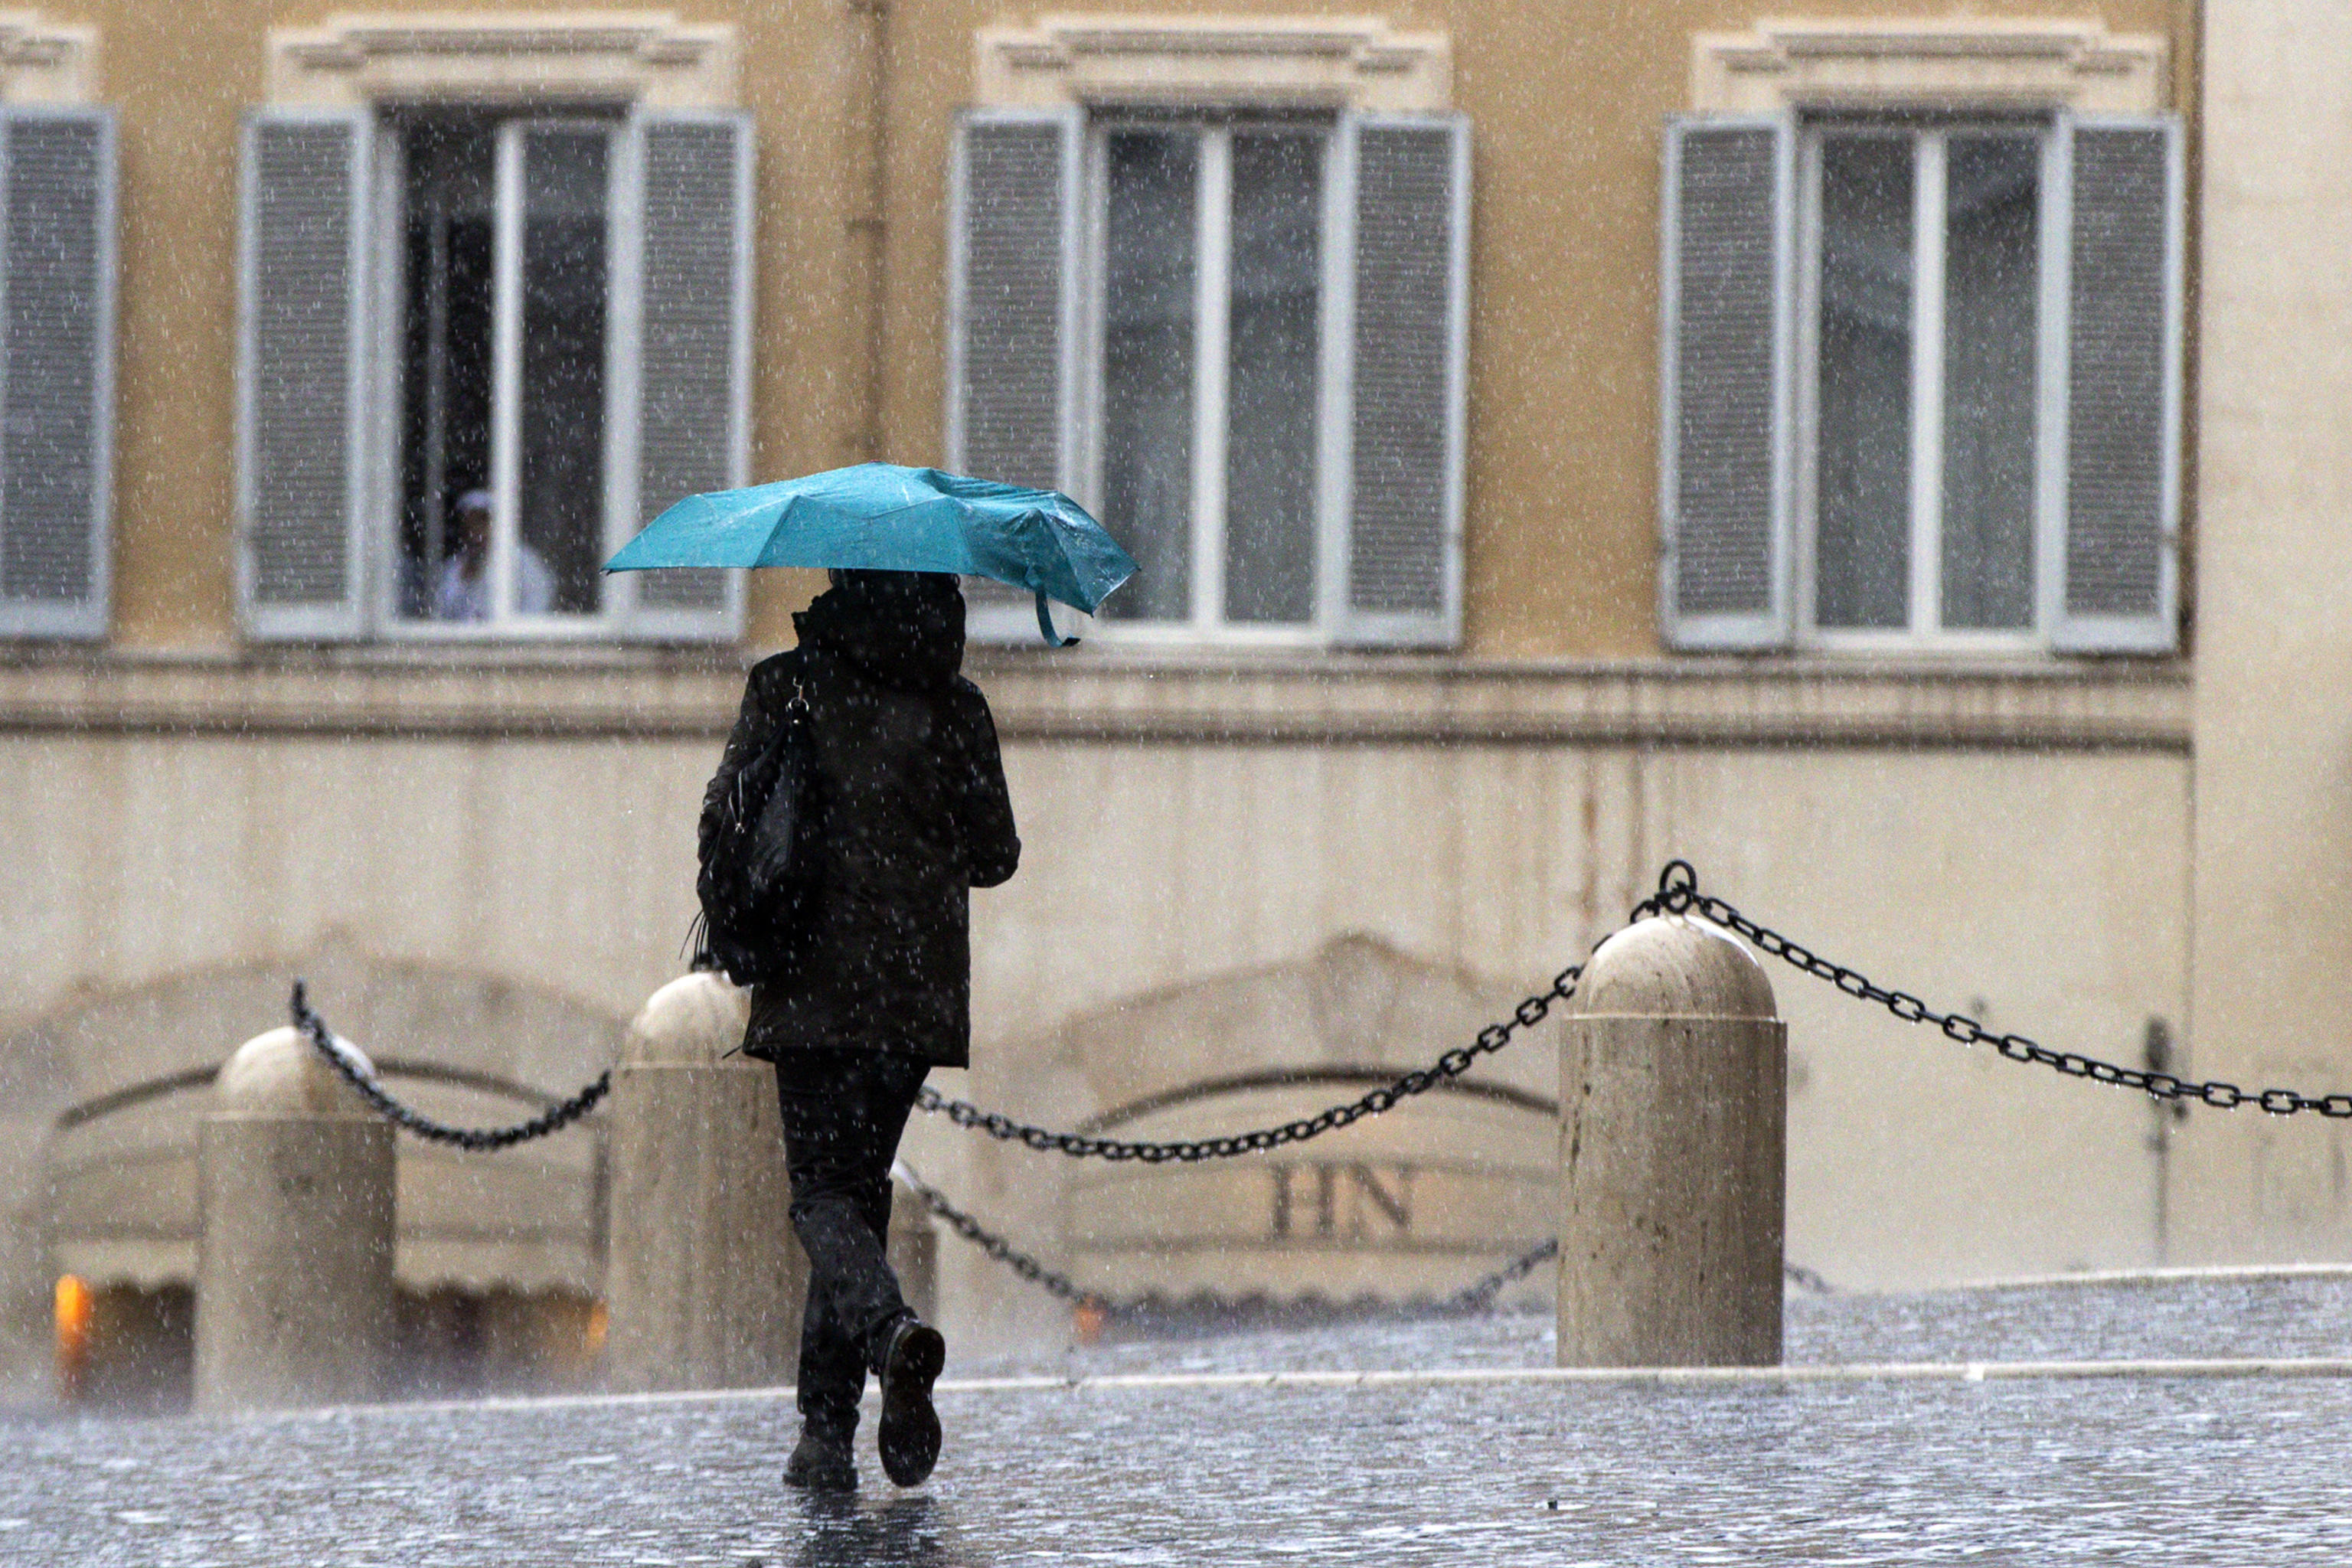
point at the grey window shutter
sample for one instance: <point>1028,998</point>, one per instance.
<point>1405,195</point>
<point>2121,407</point>
<point>1725,304</point>
<point>1012,317</point>
<point>300,362</point>
<point>693,329</point>
<point>56,369</point>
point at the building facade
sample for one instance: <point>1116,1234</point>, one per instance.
<point>1555,441</point>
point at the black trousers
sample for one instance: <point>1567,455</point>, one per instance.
<point>842,1112</point>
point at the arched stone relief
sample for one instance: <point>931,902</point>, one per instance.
<point>114,1195</point>
<point>1414,1202</point>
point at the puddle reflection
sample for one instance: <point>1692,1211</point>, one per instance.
<point>905,1532</point>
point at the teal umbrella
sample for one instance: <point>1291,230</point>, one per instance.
<point>885,518</point>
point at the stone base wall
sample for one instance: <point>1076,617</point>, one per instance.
<point>2012,844</point>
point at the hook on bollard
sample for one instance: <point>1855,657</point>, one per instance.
<point>1678,891</point>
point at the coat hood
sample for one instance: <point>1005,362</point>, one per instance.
<point>903,629</point>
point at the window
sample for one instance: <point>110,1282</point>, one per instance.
<point>1238,339</point>
<point>480,350</point>
<point>1922,345</point>
<point>1921,382</point>
<point>502,317</point>
<point>1209,375</point>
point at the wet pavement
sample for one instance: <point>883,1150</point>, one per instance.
<point>2139,1470</point>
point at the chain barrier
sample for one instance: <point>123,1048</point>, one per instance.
<point>1678,894</point>
<point>554,1119</point>
<point>1474,1298</point>
<point>1451,1066</point>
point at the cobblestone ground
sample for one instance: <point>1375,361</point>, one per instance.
<point>2137,1471</point>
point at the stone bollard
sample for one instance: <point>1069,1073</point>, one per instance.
<point>1674,1126</point>
<point>703,1278</point>
<point>294,1268</point>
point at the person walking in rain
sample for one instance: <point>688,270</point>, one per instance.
<point>863,974</point>
<point>859,800</point>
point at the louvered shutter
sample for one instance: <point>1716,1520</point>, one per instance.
<point>692,250</point>
<point>1405,195</point>
<point>1013,282</point>
<point>56,368</point>
<point>301,362</point>
<point>1726,294</point>
<point>2121,407</point>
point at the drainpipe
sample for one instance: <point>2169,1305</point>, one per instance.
<point>865,162</point>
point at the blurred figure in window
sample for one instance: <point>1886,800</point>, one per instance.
<point>463,591</point>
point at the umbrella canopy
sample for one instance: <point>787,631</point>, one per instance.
<point>883,517</point>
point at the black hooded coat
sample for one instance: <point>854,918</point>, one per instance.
<point>910,814</point>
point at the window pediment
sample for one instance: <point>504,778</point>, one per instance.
<point>1960,64</point>
<point>41,62</point>
<point>1289,62</point>
<point>641,57</point>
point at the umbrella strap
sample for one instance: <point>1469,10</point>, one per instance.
<point>1046,626</point>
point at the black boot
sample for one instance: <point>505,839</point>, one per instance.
<point>909,1433</point>
<point>822,1463</point>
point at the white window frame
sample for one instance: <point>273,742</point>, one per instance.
<point>1926,632</point>
<point>1212,356</point>
<point>609,620</point>
<point>643,67</point>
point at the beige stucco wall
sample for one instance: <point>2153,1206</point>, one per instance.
<point>181,90</point>
<point>1566,105</point>
<point>1566,108</point>
<point>2274,822</point>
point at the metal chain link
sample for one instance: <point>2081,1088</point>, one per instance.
<point>1678,894</point>
<point>554,1119</point>
<point>1473,1298</point>
<point>1477,1297</point>
<point>1054,1283</point>
<point>1452,1065</point>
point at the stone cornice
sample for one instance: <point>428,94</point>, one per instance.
<point>1113,700</point>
